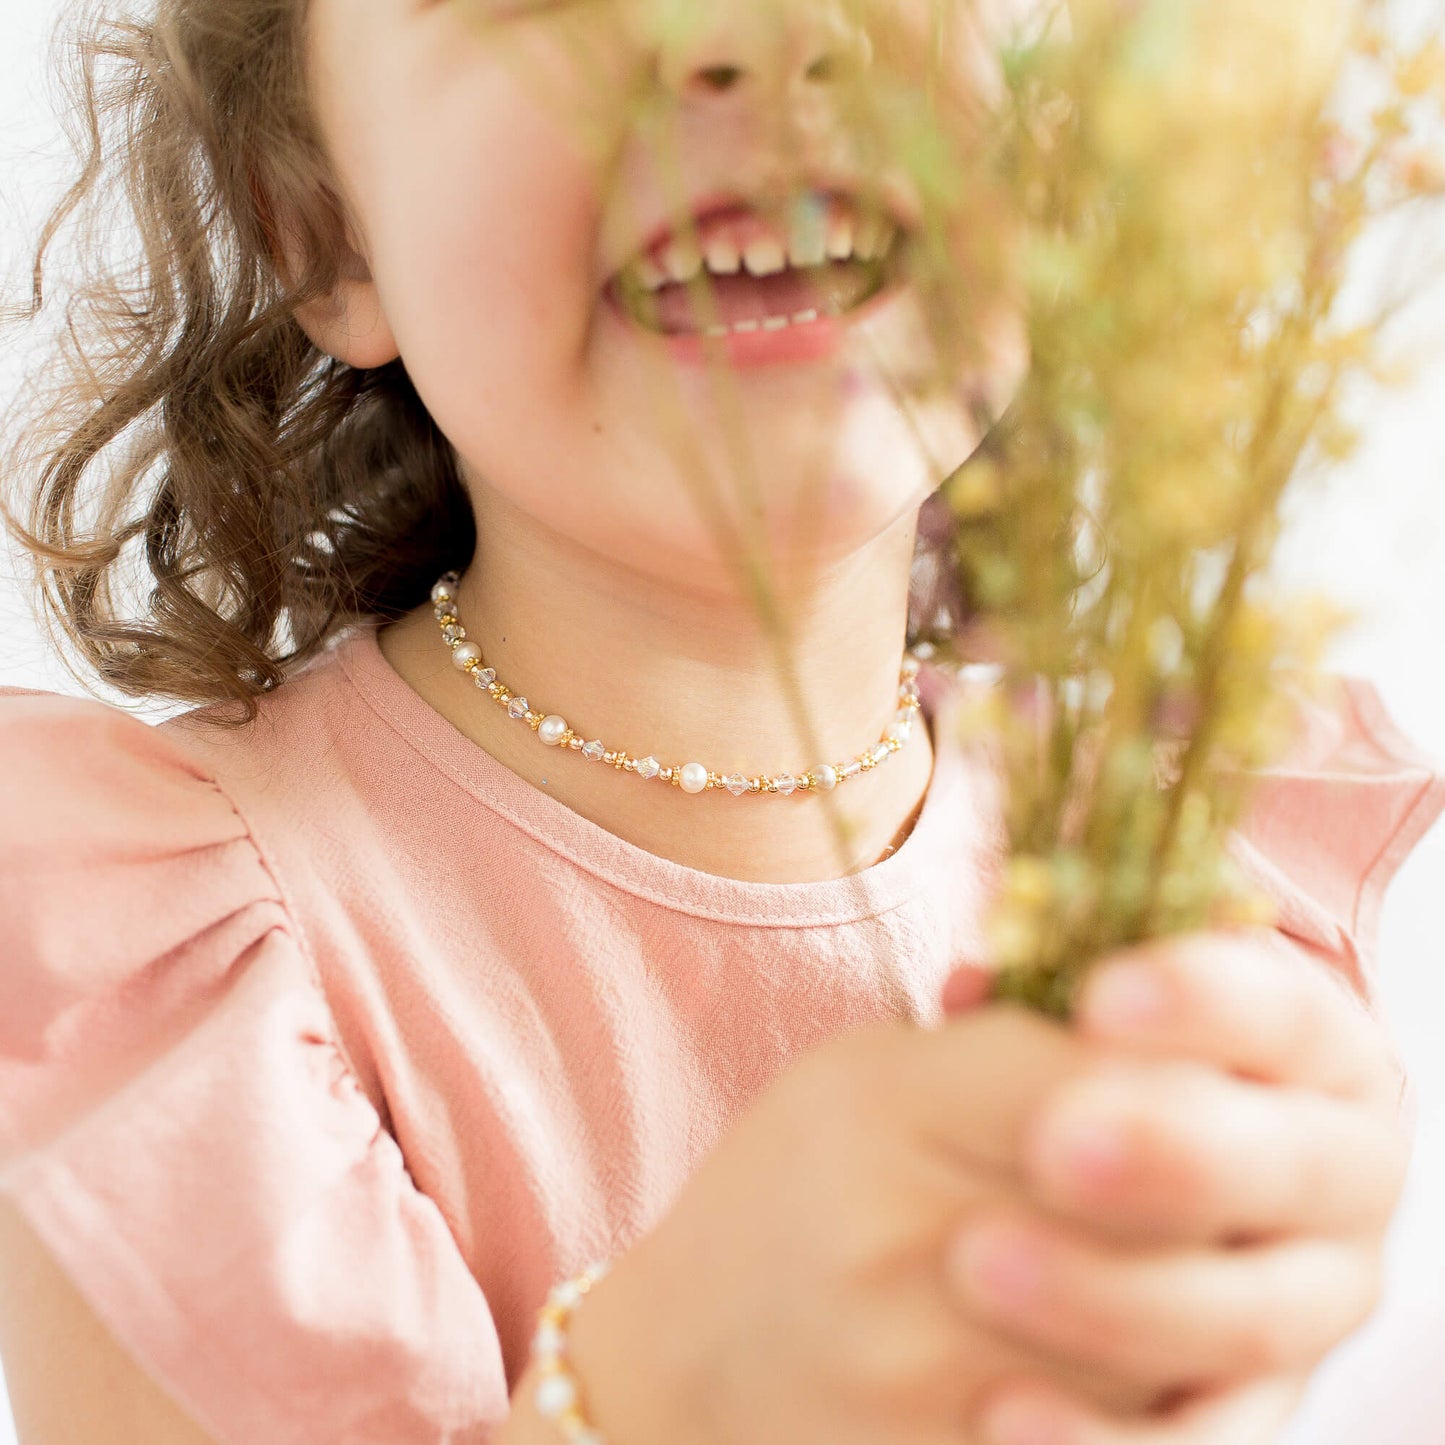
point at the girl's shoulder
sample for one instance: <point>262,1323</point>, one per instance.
<point>81,776</point>
<point>118,849</point>
<point>86,786</point>
<point>122,841</point>
<point>105,816</point>
<point>1330,824</point>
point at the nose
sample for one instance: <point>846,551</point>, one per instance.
<point>770,46</point>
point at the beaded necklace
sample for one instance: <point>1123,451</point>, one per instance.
<point>554,731</point>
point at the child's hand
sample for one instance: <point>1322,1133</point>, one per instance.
<point>798,1289</point>
<point>1235,1203</point>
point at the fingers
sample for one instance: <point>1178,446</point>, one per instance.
<point>1180,1153</point>
<point>1161,1319</point>
<point>1253,1002</point>
<point>1036,1414</point>
<point>973,1084</point>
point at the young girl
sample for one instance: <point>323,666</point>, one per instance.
<point>335,1034</point>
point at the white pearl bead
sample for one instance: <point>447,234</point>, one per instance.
<point>825,777</point>
<point>552,729</point>
<point>555,1395</point>
<point>442,592</point>
<point>464,653</point>
<point>694,777</point>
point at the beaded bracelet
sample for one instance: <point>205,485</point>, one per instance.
<point>558,1393</point>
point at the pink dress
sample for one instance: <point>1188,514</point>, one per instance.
<point>326,1047</point>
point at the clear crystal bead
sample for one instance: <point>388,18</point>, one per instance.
<point>485,677</point>
<point>444,609</point>
<point>594,750</point>
<point>786,784</point>
<point>548,1339</point>
<point>517,707</point>
<point>648,767</point>
<point>736,784</point>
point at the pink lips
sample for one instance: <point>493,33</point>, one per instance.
<point>800,341</point>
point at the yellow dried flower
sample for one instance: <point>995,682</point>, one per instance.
<point>1423,71</point>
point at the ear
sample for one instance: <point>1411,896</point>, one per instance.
<point>350,323</point>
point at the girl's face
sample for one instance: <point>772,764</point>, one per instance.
<point>515,170</point>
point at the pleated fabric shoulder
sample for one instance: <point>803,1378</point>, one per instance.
<point>180,1125</point>
<point>1331,823</point>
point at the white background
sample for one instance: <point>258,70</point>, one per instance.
<point>1377,542</point>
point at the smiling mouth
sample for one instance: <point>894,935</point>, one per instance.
<point>746,273</point>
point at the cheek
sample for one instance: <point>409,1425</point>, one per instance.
<point>487,246</point>
<point>485,260</point>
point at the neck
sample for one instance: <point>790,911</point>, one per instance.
<point>688,676</point>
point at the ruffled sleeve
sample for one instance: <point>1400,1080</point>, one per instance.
<point>179,1123</point>
<point>1329,826</point>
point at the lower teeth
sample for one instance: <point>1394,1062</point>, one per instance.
<point>770,323</point>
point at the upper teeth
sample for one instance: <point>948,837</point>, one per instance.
<point>814,236</point>
<point>764,257</point>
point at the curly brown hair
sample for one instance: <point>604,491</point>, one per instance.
<point>273,493</point>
